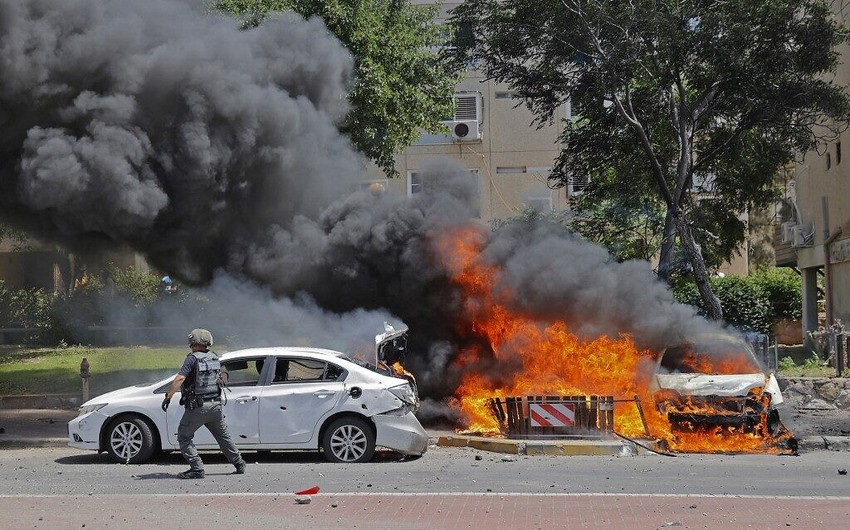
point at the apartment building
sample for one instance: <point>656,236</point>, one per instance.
<point>508,158</point>
<point>813,229</point>
<point>491,134</point>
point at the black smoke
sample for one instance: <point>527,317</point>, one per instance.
<point>214,152</point>
<point>167,128</point>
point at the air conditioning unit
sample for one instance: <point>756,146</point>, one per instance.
<point>787,231</point>
<point>799,237</point>
<point>464,130</point>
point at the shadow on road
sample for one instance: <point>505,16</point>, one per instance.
<point>252,457</point>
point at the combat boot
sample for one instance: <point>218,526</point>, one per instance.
<point>191,473</point>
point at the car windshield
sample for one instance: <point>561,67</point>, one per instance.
<point>719,356</point>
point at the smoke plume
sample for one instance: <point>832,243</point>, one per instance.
<point>214,152</point>
<point>167,128</point>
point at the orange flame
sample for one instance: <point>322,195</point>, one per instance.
<point>529,357</point>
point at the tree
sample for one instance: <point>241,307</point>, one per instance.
<point>403,85</point>
<point>619,216</point>
<point>702,99</point>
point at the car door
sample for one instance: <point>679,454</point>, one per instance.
<point>240,400</point>
<point>302,392</point>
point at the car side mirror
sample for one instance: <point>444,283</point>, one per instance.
<point>355,392</point>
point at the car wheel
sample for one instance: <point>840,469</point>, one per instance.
<point>349,440</point>
<point>129,440</point>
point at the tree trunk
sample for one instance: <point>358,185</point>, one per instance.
<point>712,304</point>
<point>665,260</point>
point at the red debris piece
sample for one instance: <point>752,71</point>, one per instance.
<point>309,491</point>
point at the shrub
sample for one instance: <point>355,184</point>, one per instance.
<point>141,287</point>
<point>753,303</point>
<point>745,304</point>
<point>787,363</point>
<point>784,288</point>
<point>5,305</point>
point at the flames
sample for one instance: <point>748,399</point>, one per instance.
<point>518,355</point>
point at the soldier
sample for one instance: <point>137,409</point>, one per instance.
<point>199,382</point>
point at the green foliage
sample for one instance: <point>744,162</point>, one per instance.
<point>754,302</point>
<point>65,318</point>
<point>402,86</point>
<point>787,364</point>
<point>812,362</point>
<point>624,219</point>
<point>784,289</point>
<point>685,100</point>
<point>141,287</point>
<point>745,305</point>
<point>812,367</point>
<point>24,308</point>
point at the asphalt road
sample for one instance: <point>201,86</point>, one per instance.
<point>52,471</point>
<point>446,488</point>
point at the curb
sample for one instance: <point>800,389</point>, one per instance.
<point>32,443</point>
<point>41,401</point>
<point>824,443</point>
<point>539,448</point>
<point>809,444</point>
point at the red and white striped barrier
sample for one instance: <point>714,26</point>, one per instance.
<point>552,414</point>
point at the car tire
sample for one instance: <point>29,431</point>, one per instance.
<point>129,440</point>
<point>349,440</point>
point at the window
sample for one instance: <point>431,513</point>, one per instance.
<point>375,187</point>
<point>242,372</point>
<point>464,36</point>
<point>501,94</point>
<point>837,153</point>
<point>510,170</point>
<point>828,161</point>
<point>576,184</point>
<point>415,185</point>
<point>540,204</point>
<point>299,370</point>
<point>572,110</point>
<point>414,181</point>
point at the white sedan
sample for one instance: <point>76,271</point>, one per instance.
<point>284,398</point>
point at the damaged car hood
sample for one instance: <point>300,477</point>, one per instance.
<point>720,385</point>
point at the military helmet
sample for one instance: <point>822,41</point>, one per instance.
<point>200,336</point>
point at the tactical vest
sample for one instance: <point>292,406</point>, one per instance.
<point>206,380</point>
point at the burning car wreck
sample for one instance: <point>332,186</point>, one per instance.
<point>713,386</point>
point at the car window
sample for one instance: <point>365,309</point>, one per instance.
<point>294,370</point>
<point>242,372</point>
<point>334,373</point>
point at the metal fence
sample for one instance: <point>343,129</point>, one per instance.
<point>832,346</point>
<point>766,352</point>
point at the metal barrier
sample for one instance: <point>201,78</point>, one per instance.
<point>767,355</point>
<point>554,416</point>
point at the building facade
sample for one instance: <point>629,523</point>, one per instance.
<point>491,134</point>
<point>813,229</point>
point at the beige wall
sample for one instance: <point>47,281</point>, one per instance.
<point>822,189</point>
<point>508,140</point>
<point>513,158</point>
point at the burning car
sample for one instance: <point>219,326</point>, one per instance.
<point>280,398</point>
<point>714,384</point>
